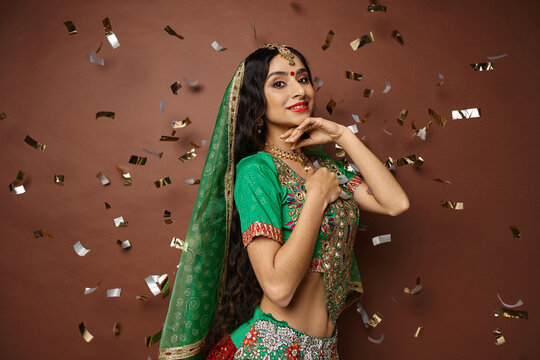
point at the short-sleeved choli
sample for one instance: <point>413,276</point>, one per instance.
<point>257,196</point>
<point>269,196</point>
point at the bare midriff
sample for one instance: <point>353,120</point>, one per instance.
<point>307,310</point>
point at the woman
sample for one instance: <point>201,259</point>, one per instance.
<point>270,262</point>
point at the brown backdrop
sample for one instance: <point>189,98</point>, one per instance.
<point>464,258</point>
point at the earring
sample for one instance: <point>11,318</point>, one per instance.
<point>259,123</point>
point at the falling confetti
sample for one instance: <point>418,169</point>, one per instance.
<point>519,302</point>
<point>188,155</point>
<point>376,341</point>
<point>168,138</point>
<point>401,116</point>
<point>416,290</point>
<point>396,34</point>
<point>381,239</point>
<point>387,87</point>
<point>376,7</point>
<point>411,159</point>
<point>515,232</point>
<point>124,244</point>
<point>375,319</point>
<point>92,58</point>
<point>496,57</point>
<point>175,86</point>
<point>113,40</point>
<point>58,179</point>
<point>114,292</point>
<point>137,160</point>
<point>177,124</point>
<point>43,233</point>
<point>509,313</point>
<point>328,40</point>
<point>126,176</point>
<point>16,187</point>
<point>482,66</point>
<point>162,182</point>
<point>466,114</point>
<point>179,244</point>
<point>217,47</point>
<point>153,153</point>
<point>170,31</point>
<point>103,179</point>
<point>368,93</point>
<point>167,217</point>
<point>454,205</point>
<point>119,221</point>
<point>441,78</point>
<point>361,41</point>
<point>116,329</point>
<point>499,338</point>
<point>71,27</point>
<point>190,83</point>
<point>33,143</point>
<point>80,249</point>
<point>90,290</point>
<point>85,333</point>
<point>3,115</point>
<point>330,106</point>
<point>109,114</point>
<point>192,181</point>
<point>442,181</point>
<point>438,119</point>
<point>418,331</point>
<point>151,340</point>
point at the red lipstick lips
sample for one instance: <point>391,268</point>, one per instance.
<point>299,107</point>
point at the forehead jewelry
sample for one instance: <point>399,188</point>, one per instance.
<point>283,52</point>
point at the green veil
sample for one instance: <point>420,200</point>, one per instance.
<point>201,272</point>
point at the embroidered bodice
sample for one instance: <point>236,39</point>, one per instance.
<point>269,196</point>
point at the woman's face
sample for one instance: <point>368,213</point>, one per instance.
<point>289,93</point>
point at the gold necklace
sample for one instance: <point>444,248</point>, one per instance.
<point>279,152</point>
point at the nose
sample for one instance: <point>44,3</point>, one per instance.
<point>297,89</point>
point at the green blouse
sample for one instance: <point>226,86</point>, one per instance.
<point>269,196</point>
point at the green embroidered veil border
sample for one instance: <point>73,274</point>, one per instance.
<point>200,275</point>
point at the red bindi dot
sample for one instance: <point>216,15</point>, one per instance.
<point>292,73</point>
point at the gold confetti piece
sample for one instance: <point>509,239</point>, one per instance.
<point>168,138</point>
<point>381,239</point>
<point>179,244</point>
<point>398,36</point>
<point>170,31</point>
<point>418,331</point>
<point>151,340</point>
<point>442,181</point>
<point>175,86</point>
<point>499,338</point>
<point>496,57</point>
<point>519,303</point>
<point>441,77</point>
<point>198,146</point>
<point>376,341</point>
<point>365,117</point>
<point>177,124</point>
<point>126,176</point>
<point>340,152</point>
<point>466,114</point>
<point>113,40</point>
<point>416,290</point>
<point>368,93</point>
<point>142,297</point>
<point>509,313</point>
<point>3,115</point>
<point>162,182</point>
<point>163,284</point>
<point>376,7</point>
<point>16,186</point>
<point>217,47</point>
<point>167,217</point>
<point>124,244</point>
<point>515,232</point>
<point>109,114</point>
<point>116,329</point>
<point>375,319</point>
<point>71,27</point>
<point>353,76</point>
<point>330,106</point>
<point>387,87</point>
<point>150,152</point>
<point>33,143</point>
<point>411,159</point>
<point>173,132</point>
<point>401,117</point>
<point>107,206</point>
<point>42,233</point>
<point>454,205</point>
<point>188,156</point>
<point>390,164</point>
<point>328,40</point>
<point>386,131</point>
<point>58,179</point>
<point>85,333</point>
<point>92,58</point>
<point>103,179</point>
<point>137,160</point>
<point>99,48</point>
<point>421,133</point>
<point>114,292</point>
<point>192,181</point>
<point>80,249</point>
<point>361,41</point>
<point>438,119</point>
<point>482,66</point>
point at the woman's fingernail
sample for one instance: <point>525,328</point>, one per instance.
<point>281,136</point>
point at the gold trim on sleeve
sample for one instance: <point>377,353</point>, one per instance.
<point>181,352</point>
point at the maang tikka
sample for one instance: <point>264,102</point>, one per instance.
<point>284,52</point>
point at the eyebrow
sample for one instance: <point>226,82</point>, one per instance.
<point>300,71</point>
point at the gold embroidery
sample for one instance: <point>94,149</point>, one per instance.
<point>181,352</point>
<point>338,228</point>
<point>259,228</point>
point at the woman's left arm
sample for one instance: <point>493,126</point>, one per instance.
<point>387,196</point>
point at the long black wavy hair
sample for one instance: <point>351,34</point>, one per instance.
<point>242,292</point>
